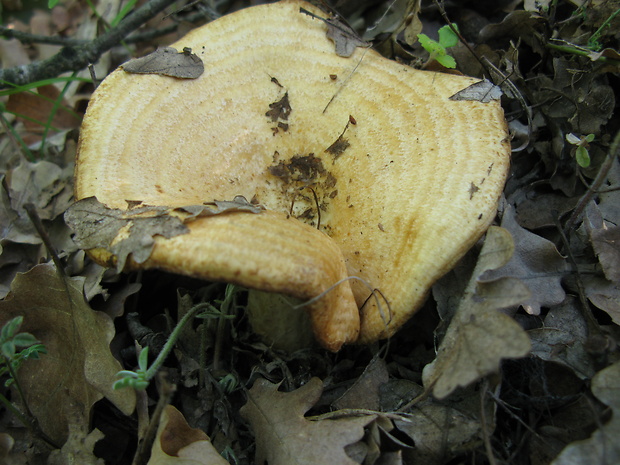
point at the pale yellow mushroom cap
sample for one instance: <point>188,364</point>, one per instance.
<point>416,186</point>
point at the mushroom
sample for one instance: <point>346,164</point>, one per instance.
<point>366,167</point>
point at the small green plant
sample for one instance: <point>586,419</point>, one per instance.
<point>437,49</point>
<point>582,144</point>
<point>11,359</point>
<point>10,341</point>
<point>140,379</point>
<point>594,42</point>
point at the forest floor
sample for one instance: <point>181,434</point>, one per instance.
<point>513,359</point>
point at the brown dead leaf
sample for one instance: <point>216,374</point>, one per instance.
<point>562,338</point>
<point>345,39</point>
<point>482,91</point>
<point>604,295</point>
<point>44,184</point>
<point>536,262</point>
<point>603,446</point>
<point>79,368</point>
<point>479,335</point>
<point>34,109</point>
<point>285,437</point>
<point>119,231</point>
<point>179,444</point>
<point>606,243</point>
<point>438,431</point>
<point>401,16</point>
<point>365,392</point>
<point>167,61</point>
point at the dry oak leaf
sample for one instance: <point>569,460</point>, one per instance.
<point>179,444</point>
<point>536,262</point>
<point>131,232</point>
<point>79,368</point>
<point>285,437</point>
<point>562,339</point>
<point>603,446</point>
<point>479,335</point>
<point>44,184</point>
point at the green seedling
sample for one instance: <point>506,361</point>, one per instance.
<point>437,49</point>
<point>594,42</point>
<point>582,144</point>
<point>11,359</point>
<point>140,379</point>
<point>10,341</point>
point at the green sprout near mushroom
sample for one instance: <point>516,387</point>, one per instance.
<point>437,49</point>
<point>582,144</point>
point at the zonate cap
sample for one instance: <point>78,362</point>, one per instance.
<point>365,167</point>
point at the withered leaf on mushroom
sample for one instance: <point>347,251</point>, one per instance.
<point>412,156</point>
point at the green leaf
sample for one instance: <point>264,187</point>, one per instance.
<point>431,46</point>
<point>24,340</point>
<point>8,349</point>
<point>447,37</point>
<point>33,352</point>
<point>11,327</point>
<point>52,3</point>
<point>143,360</point>
<point>582,156</point>
<point>572,139</point>
<point>446,60</point>
<point>589,138</point>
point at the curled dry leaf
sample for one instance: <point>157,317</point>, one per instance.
<point>167,61</point>
<point>479,335</point>
<point>62,386</point>
<point>285,437</point>
<point>179,444</point>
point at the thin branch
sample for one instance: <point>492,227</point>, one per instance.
<point>27,38</point>
<point>74,58</point>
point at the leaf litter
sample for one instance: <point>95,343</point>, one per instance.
<point>557,66</point>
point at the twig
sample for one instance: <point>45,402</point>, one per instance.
<point>27,38</point>
<point>38,225</point>
<point>486,434</point>
<point>74,58</point>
